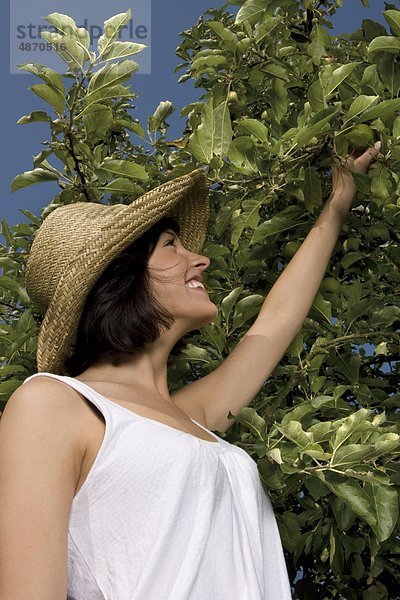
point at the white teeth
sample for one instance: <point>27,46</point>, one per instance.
<point>193,283</point>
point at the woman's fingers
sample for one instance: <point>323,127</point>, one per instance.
<point>363,162</point>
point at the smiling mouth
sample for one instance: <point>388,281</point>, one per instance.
<point>197,289</point>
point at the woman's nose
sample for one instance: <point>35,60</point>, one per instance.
<point>202,260</point>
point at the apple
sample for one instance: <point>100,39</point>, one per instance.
<point>330,284</point>
<point>361,136</point>
<point>232,97</point>
<point>290,249</point>
<point>243,45</point>
<point>351,245</point>
<point>380,232</point>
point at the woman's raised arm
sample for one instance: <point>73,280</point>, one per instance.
<point>237,380</point>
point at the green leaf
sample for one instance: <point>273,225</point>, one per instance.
<point>243,155</point>
<point>343,514</point>
<point>278,98</point>
<point>361,308</point>
<point>295,433</point>
<point>214,336</point>
<point>203,63</point>
<point>349,426</point>
<point>267,26</point>
<point>275,454</point>
<point>246,309</point>
<point>196,353</point>
<point>111,29</point>
<point>30,216</point>
<point>349,366</point>
<point>48,75</point>
<point>115,91</point>
<point>359,105</point>
<point>384,500</point>
<point>384,43</point>
<point>255,128</point>
<point>353,495</point>
<point>132,126</point>
<point>298,413</point>
<point>384,110</point>
<point>68,48</point>
<point>251,11</point>
<point>371,79</point>
<point>393,20</point>
<point>337,77</point>
<point>319,40</point>
<point>35,116</point>
<point>214,135</point>
<point>296,347</point>
<point>316,96</point>
<point>66,25</point>
<point>289,529</point>
<point>119,50</point>
<point>357,565</point>
<point>380,183</point>
<point>351,454</point>
<point>316,451</point>
<point>224,33</point>
<point>229,300</point>
<point>51,95</point>
<point>270,475</point>
<point>40,160</point>
<point>323,306</point>
<point>312,189</point>
<point>6,232</point>
<point>120,186</point>
<point>163,110</point>
<point>8,283</point>
<point>124,168</point>
<point>8,387</point>
<point>98,119</point>
<point>248,218</point>
<point>31,178</point>
<point>315,126</point>
<point>361,181</point>
<point>386,316</point>
<point>251,419</point>
<point>351,258</point>
<point>110,75</point>
<point>283,221</point>
<point>276,70</point>
<point>8,263</point>
<point>386,444</point>
<point>316,488</point>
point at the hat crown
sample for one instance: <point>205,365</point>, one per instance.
<point>62,237</point>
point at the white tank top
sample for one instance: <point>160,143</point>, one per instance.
<point>165,515</point>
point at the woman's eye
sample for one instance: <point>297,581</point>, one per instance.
<point>171,240</point>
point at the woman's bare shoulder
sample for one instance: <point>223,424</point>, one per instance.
<point>47,400</point>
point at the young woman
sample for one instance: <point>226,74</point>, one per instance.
<point>111,488</point>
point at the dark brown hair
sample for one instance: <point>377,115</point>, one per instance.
<point>120,314</point>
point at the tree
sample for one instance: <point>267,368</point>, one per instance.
<point>281,98</point>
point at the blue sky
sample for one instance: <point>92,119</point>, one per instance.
<point>19,143</point>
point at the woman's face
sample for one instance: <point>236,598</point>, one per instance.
<point>171,267</point>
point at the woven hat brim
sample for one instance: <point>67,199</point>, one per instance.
<point>185,198</point>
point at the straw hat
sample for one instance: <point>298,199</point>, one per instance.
<point>76,242</point>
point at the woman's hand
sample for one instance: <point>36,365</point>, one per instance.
<point>343,188</point>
